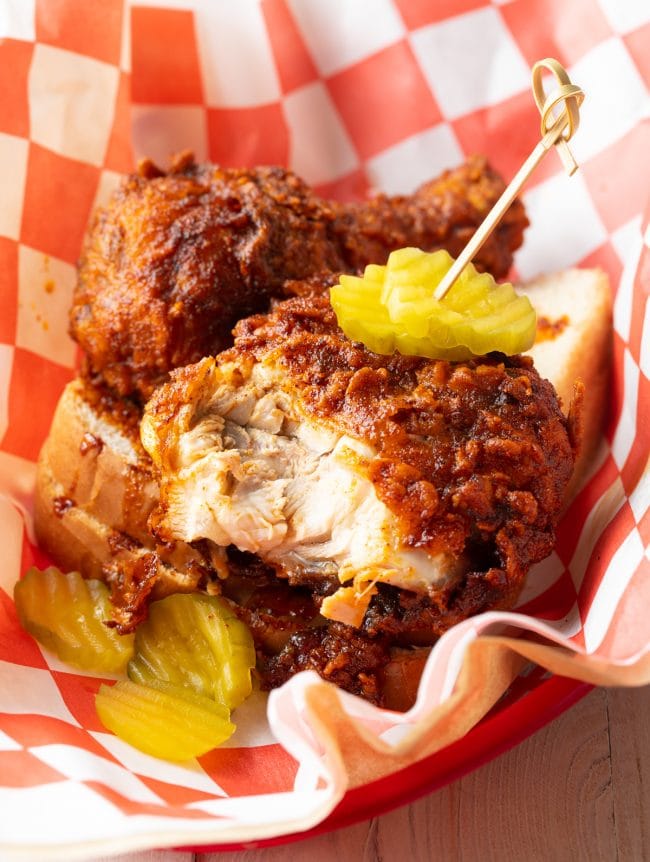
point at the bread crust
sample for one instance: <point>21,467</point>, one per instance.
<point>580,354</point>
<point>94,493</point>
<point>93,483</point>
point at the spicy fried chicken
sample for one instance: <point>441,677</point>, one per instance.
<point>177,258</point>
<point>406,493</point>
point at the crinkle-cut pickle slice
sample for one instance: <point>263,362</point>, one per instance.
<point>392,308</point>
<point>162,720</point>
<point>67,614</point>
<point>371,325</point>
<point>195,641</point>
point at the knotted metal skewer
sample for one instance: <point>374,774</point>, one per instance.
<point>556,130</point>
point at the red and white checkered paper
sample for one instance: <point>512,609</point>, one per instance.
<point>354,97</point>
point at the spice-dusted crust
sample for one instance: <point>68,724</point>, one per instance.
<point>471,454</point>
<point>176,258</point>
<point>473,458</point>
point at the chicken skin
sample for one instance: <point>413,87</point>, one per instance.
<point>176,258</point>
<point>414,492</point>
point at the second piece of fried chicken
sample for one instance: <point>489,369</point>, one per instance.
<point>176,258</point>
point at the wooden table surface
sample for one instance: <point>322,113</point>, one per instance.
<point>579,789</point>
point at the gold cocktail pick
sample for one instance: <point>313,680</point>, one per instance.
<point>556,130</point>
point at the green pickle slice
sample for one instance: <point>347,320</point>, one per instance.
<point>392,308</point>
<point>162,720</point>
<point>67,614</point>
<point>195,642</point>
<point>189,662</point>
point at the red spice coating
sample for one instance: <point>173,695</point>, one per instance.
<point>339,653</point>
<point>472,457</point>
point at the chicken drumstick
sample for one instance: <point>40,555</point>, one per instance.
<point>176,258</point>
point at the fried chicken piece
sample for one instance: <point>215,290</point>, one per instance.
<point>439,482</point>
<point>176,259</point>
<point>338,653</point>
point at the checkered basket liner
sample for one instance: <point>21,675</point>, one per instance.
<point>354,97</point>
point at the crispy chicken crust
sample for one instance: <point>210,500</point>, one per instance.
<point>472,458</point>
<point>176,258</point>
<point>474,455</point>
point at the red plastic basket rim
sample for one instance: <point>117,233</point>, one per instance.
<point>491,737</point>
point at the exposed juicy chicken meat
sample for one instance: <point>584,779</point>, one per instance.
<point>324,458</point>
<point>254,470</point>
<point>175,259</point>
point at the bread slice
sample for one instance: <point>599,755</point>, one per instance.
<point>95,491</point>
<point>574,311</point>
<point>93,481</point>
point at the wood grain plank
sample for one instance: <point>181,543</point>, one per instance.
<point>550,798</point>
<point>629,728</point>
<point>355,842</point>
<point>148,856</point>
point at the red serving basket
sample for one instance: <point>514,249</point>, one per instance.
<point>531,702</point>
